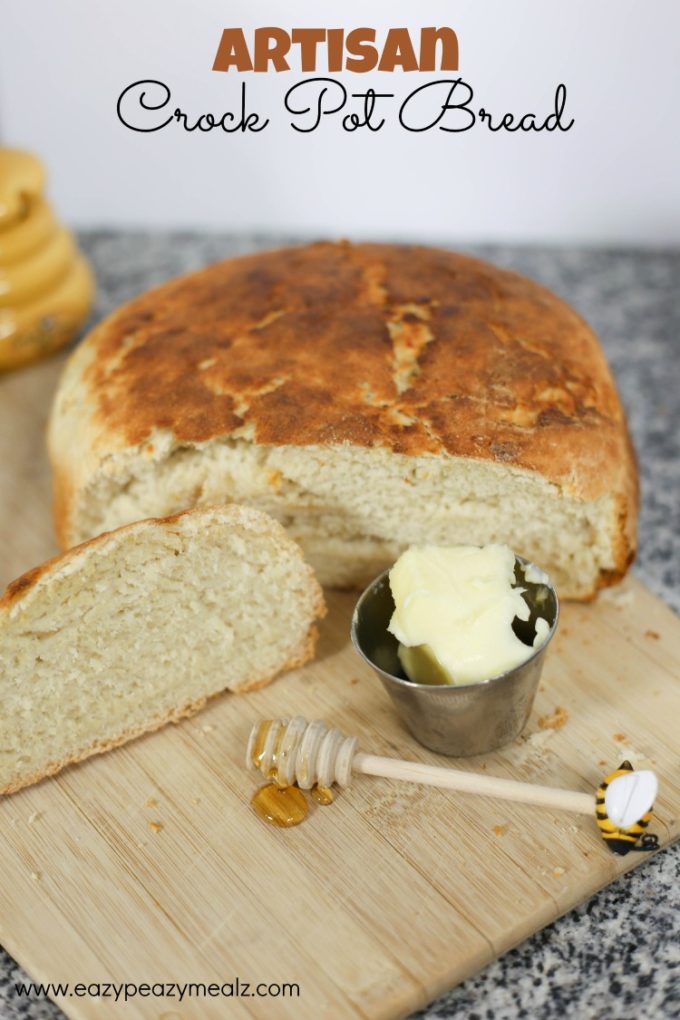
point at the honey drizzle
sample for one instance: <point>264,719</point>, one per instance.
<point>277,759</point>
<point>257,754</point>
<point>322,794</point>
<point>280,805</point>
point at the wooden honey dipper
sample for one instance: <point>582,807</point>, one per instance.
<point>296,755</point>
<point>310,754</point>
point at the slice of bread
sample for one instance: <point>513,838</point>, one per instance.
<point>370,397</point>
<point>142,625</point>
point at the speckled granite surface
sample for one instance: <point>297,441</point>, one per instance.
<point>618,956</point>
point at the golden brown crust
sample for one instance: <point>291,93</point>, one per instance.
<point>298,658</point>
<point>415,349</point>
<point>62,502</point>
<point>303,336</point>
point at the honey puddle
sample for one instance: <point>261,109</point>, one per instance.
<point>276,803</point>
<point>282,806</point>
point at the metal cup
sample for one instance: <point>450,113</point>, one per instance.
<point>458,720</point>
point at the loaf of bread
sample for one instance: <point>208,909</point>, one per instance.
<point>142,625</point>
<point>368,396</point>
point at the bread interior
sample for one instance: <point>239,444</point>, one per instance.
<point>354,509</point>
<point>141,626</point>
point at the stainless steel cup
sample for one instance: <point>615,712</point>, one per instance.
<point>455,720</point>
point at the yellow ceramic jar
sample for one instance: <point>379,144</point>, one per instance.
<point>46,287</point>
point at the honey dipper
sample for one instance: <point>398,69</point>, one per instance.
<point>310,754</point>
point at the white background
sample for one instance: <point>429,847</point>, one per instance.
<point>614,178</point>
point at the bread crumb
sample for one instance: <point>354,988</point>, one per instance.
<point>156,826</point>
<point>620,737</point>
<point>207,729</point>
<point>653,634</point>
<point>33,817</point>
<point>555,721</point>
<point>499,830</point>
<point>616,597</point>
<point>535,744</point>
<point>354,680</point>
<point>36,876</point>
<point>635,758</point>
<point>558,872</point>
<point>602,762</point>
<point>195,800</point>
<point>151,802</point>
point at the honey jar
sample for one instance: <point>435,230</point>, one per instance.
<point>46,287</point>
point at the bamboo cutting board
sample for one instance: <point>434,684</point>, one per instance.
<point>148,865</point>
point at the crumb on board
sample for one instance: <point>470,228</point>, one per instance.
<point>499,830</point>
<point>602,762</point>
<point>555,720</point>
<point>156,826</point>
<point>354,680</point>
<point>33,817</point>
<point>535,743</point>
<point>653,634</point>
<point>195,800</point>
<point>617,597</point>
<point>558,871</point>
<point>151,802</point>
<point>207,729</point>
<point>36,876</point>
<point>636,758</point>
<point>619,737</point>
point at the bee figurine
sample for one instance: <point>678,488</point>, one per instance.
<point>623,809</point>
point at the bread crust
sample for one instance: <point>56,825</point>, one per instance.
<point>28,583</point>
<point>416,349</point>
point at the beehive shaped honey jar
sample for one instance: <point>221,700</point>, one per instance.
<point>46,286</point>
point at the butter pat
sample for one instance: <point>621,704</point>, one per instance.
<point>454,609</point>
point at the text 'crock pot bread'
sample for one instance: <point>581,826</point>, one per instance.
<point>138,627</point>
<point>368,396</point>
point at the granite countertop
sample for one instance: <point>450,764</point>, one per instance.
<point>618,955</point>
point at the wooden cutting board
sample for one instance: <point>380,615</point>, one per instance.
<point>148,865</point>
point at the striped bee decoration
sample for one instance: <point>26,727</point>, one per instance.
<point>621,840</point>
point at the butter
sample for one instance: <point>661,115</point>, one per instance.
<point>454,609</point>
